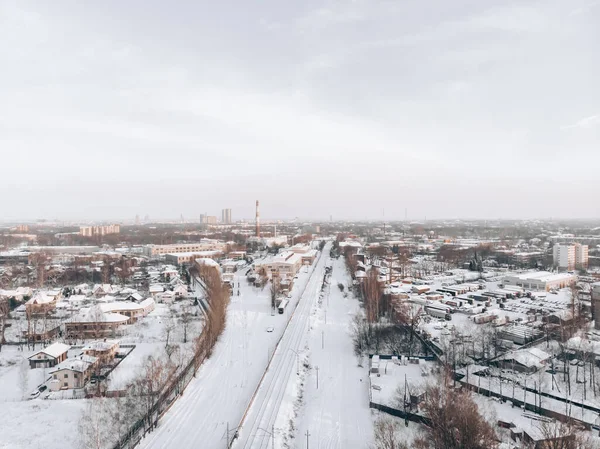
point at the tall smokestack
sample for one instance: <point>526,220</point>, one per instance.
<point>257,220</point>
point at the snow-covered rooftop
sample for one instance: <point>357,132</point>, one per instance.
<point>100,345</point>
<point>54,350</point>
<point>80,364</point>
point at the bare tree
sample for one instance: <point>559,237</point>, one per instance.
<point>4,313</point>
<point>263,276</point>
<point>218,295</point>
<point>24,378</point>
<point>372,293</point>
<point>107,270</point>
<point>150,383</point>
<point>95,427</point>
<point>97,319</point>
<point>387,435</point>
<point>38,260</point>
<point>455,420</point>
<point>408,315</point>
<point>185,319</point>
<point>351,262</point>
<point>275,289</point>
<point>563,435</point>
<point>124,269</point>
<point>168,331</point>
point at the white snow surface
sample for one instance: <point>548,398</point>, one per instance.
<point>262,415</point>
<point>35,423</point>
<point>217,398</point>
<point>337,414</point>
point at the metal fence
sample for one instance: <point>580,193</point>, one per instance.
<point>163,402</point>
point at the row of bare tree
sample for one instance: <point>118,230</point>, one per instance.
<point>455,421</point>
<point>112,422</point>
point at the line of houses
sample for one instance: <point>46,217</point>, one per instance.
<point>76,371</point>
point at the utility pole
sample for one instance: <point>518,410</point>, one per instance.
<point>273,436</point>
<point>513,396</point>
<point>317,368</point>
<point>405,415</point>
<point>307,435</point>
<point>322,339</point>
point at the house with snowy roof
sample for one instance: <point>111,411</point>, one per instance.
<point>104,350</point>
<point>135,297</point>
<point>41,303</point>
<point>155,289</point>
<point>73,373</point>
<point>19,294</point>
<point>528,360</point>
<point>100,290</point>
<point>94,323</point>
<point>180,291</point>
<point>132,310</point>
<point>49,356</point>
<point>166,297</point>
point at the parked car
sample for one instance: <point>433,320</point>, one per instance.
<point>34,394</point>
<point>270,329</point>
<point>42,388</point>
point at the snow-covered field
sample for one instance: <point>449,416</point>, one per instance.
<point>40,424</point>
<point>217,398</point>
<point>15,375</point>
<point>337,414</point>
<point>35,423</point>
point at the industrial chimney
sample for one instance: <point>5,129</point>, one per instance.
<point>257,220</point>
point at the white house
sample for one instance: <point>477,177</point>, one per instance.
<point>49,356</point>
<point>155,289</point>
<point>73,373</point>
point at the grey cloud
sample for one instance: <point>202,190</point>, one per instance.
<point>316,107</point>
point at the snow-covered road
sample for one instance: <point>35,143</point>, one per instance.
<point>256,431</point>
<point>336,415</point>
<point>216,400</point>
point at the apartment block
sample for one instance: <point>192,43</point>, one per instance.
<point>570,256</point>
<point>203,245</point>
<point>93,231</point>
<point>226,216</point>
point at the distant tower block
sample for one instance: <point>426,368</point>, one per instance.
<point>257,220</point>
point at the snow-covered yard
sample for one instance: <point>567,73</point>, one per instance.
<point>32,423</point>
<point>40,424</point>
<point>17,380</point>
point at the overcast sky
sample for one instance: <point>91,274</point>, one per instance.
<point>462,108</point>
